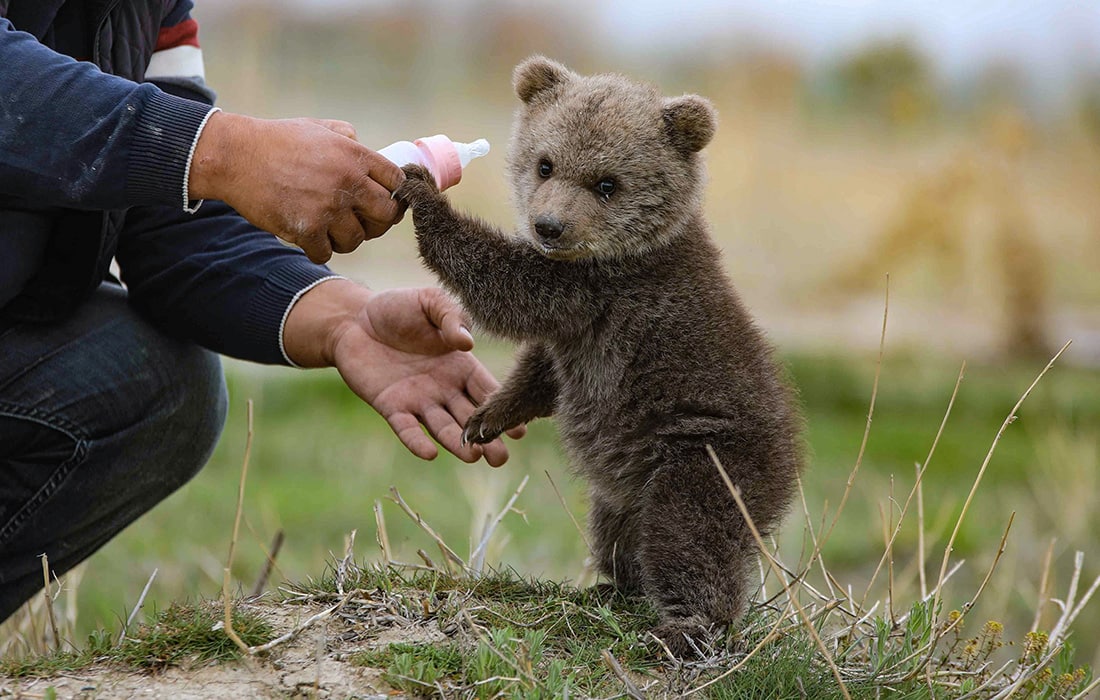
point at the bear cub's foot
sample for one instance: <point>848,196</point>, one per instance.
<point>687,638</point>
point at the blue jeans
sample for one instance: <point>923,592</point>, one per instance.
<point>101,418</point>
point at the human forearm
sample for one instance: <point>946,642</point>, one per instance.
<point>213,278</point>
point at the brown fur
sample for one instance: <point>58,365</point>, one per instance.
<point>633,337</point>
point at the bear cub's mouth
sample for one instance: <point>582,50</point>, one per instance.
<point>556,251</point>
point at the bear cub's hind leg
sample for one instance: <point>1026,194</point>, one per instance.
<point>698,577</point>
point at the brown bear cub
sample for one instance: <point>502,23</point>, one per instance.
<point>632,337</point>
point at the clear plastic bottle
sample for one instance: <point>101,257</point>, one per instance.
<point>443,157</point>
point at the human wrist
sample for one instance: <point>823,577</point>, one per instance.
<point>320,319</point>
<point>217,149</point>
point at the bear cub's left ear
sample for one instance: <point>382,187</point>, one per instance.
<point>690,122</point>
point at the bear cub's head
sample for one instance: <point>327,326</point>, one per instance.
<point>602,166</point>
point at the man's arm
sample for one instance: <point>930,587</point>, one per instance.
<point>215,279</point>
<point>73,136</point>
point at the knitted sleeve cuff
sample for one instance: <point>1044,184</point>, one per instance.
<point>167,130</point>
<point>270,307</point>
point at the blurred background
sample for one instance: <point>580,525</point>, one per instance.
<point>952,145</point>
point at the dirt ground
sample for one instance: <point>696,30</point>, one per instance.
<point>314,664</point>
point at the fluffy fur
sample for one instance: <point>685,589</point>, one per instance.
<point>632,336</point>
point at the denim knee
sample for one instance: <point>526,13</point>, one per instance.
<point>191,412</point>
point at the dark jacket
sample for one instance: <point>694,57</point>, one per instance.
<point>92,161</point>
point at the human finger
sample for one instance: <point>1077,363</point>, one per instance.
<point>447,432</point>
<point>408,431</point>
<point>384,172</point>
<point>517,432</point>
<point>481,384</point>
<point>316,245</point>
<point>335,125</point>
<point>346,233</point>
<point>448,317</point>
<point>461,408</point>
<point>376,205</point>
<point>495,452</point>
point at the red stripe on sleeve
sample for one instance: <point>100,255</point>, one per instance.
<point>186,33</point>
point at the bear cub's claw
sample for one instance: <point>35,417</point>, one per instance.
<point>477,431</point>
<point>685,639</point>
<point>419,186</point>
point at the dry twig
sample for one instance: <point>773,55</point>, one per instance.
<point>449,555</point>
<point>736,493</point>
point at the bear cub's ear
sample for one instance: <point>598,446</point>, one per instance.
<point>538,75</point>
<point>690,122</point>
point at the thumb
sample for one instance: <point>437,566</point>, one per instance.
<point>335,125</point>
<point>448,317</point>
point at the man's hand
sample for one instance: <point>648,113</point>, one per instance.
<point>406,353</point>
<point>307,181</point>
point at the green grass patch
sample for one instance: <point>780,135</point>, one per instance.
<point>184,632</point>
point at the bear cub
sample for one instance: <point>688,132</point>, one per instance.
<point>632,337</point>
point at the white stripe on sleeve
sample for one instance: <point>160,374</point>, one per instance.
<point>178,61</point>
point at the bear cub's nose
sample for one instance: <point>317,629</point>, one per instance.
<point>549,227</point>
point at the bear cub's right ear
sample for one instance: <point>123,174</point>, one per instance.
<point>690,122</point>
<point>538,75</point>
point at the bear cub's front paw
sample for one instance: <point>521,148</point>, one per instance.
<point>419,186</point>
<point>482,427</point>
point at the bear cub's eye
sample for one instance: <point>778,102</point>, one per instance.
<point>545,168</point>
<point>605,187</point>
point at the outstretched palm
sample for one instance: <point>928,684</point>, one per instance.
<point>407,356</point>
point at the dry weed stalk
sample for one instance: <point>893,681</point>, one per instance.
<point>736,493</point>
<point>915,491</point>
<point>450,558</point>
<point>1011,418</point>
<point>477,558</point>
<point>227,601</point>
<point>48,600</point>
<point>137,607</point>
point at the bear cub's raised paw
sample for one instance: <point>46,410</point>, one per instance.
<point>419,186</point>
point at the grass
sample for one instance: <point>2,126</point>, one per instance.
<point>184,632</point>
<point>512,637</point>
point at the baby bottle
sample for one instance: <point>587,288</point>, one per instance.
<point>443,157</point>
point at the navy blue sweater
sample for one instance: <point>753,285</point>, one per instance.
<point>92,166</point>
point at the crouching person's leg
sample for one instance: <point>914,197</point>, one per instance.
<point>101,418</point>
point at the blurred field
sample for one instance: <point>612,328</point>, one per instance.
<point>976,196</point>
<point>980,203</point>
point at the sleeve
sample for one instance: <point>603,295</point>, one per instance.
<point>213,278</point>
<point>209,276</point>
<point>176,65</point>
<point>73,136</point>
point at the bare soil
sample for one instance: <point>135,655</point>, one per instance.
<point>314,664</point>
